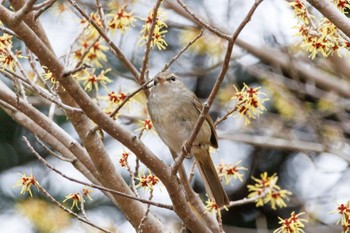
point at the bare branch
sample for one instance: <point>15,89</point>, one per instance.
<point>221,119</point>
<point>42,7</point>
<point>101,13</point>
<point>77,69</point>
<point>139,229</point>
<point>8,31</point>
<point>41,159</point>
<point>329,10</point>
<point>245,201</point>
<point>53,153</point>
<point>199,20</point>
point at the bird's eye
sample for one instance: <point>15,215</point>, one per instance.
<point>172,78</point>
<point>155,82</point>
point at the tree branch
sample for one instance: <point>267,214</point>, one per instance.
<point>199,20</point>
<point>328,9</point>
<point>41,159</point>
<point>26,8</point>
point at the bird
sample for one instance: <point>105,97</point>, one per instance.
<point>174,111</point>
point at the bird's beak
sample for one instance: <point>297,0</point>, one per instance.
<point>160,80</point>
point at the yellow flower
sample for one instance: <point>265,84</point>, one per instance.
<point>27,182</point>
<point>145,125</point>
<point>91,81</point>
<point>321,36</point>
<point>300,11</point>
<point>76,197</point>
<point>276,197</point>
<point>47,75</point>
<point>91,32</point>
<point>96,53</point>
<point>230,172</point>
<point>5,41</point>
<point>293,224</point>
<point>158,33</point>
<point>344,210</point>
<point>147,181</point>
<point>114,99</point>
<point>211,205</point>
<point>8,59</point>
<point>342,5</point>
<point>122,20</point>
<point>272,193</point>
<point>249,102</point>
<point>86,192</point>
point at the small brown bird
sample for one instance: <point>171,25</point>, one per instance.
<point>174,111</point>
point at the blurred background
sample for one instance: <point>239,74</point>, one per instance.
<point>303,136</point>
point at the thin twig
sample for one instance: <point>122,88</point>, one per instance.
<point>202,23</point>
<point>77,69</point>
<point>245,201</point>
<point>8,31</point>
<point>137,161</point>
<point>166,66</point>
<point>139,229</point>
<point>82,207</point>
<point>47,164</point>
<point>43,4</point>
<point>186,148</point>
<point>132,179</point>
<point>20,68</point>
<point>219,120</point>
<point>101,13</point>
<point>128,97</point>
<point>144,67</point>
<point>68,210</point>
<point>36,72</point>
<point>70,48</point>
<point>219,218</point>
<point>53,153</point>
<point>42,7</point>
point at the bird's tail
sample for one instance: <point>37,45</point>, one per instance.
<point>210,178</point>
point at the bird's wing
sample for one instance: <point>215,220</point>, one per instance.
<point>214,137</point>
